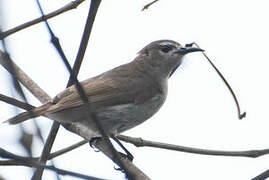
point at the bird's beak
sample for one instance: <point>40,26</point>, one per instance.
<point>187,49</point>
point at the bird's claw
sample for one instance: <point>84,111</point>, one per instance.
<point>127,156</point>
<point>92,141</point>
<point>119,169</point>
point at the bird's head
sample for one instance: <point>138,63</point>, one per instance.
<point>165,56</point>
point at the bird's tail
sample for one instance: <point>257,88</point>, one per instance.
<point>29,114</point>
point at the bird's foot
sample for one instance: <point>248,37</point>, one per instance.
<point>127,156</point>
<point>94,139</point>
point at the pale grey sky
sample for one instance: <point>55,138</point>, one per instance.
<point>199,111</point>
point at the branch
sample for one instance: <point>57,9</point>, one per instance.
<point>46,149</point>
<point>67,7</point>
<point>51,156</point>
<point>262,176</point>
<point>101,145</point>
<point>15,102</point>
<point>20,160</point>
<point>85,38</point>
<point>67,149</point>
<point>139,142</point>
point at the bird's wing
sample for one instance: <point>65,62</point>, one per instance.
<point>99,92</point>
<point>108,89</point>
<point>104,91</point>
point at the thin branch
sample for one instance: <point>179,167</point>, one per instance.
<point>67,7</point>
<point>67,149</point>
<point>46,150</point>
<point>20,160</point>
<point>149,4</point>
<point>262,176</point>
<point>240,115</point>
<point>51,156</point>
<point>101,145</point>
<point>139,142</point>
<point>15,102</point>
<point>85,38</point>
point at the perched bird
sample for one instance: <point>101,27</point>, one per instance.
<point>121,98</point>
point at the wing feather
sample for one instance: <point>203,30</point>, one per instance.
<point>101,91</point>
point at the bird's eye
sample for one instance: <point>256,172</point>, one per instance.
<point>166,48</point>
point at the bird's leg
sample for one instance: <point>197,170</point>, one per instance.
<point>128,155</point>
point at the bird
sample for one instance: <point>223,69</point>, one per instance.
<point>120,98</point>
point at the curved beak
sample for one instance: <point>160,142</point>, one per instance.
<point>187,49</point>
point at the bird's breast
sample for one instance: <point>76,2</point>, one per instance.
<point>122,117</point>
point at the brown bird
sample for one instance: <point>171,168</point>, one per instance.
<point>121,98</point>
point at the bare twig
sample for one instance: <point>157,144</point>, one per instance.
<point>149,4</point>
<point>262,176</point>
<point>65,150</point>
<point>15,102</point>
<point>69,6</point>
<point>51,156</point>
<point>139,142</point>
<point>46,150</point>
<point>85,38</point>
<point>240,115</point>
<point>20,160</point>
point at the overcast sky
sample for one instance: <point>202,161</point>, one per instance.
<point>199,111</point>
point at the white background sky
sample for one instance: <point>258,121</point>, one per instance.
<point>199,111</point>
